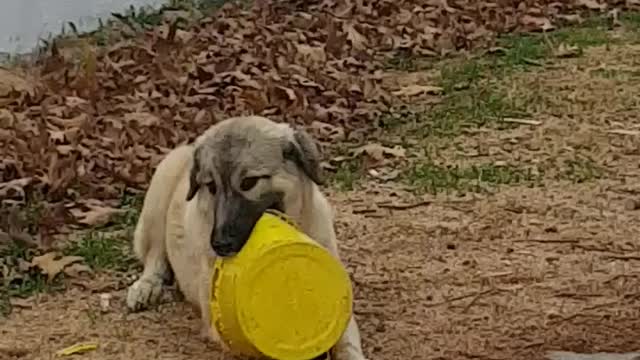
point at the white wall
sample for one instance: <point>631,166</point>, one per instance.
<point>24,22</point>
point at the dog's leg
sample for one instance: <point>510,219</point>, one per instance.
<point>147,289</point>
<point>208,331</point>
<point>349,347</point>
<point>149,242</point>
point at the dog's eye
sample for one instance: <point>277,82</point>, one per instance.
<point>249,182</point>
<point>212,187</point>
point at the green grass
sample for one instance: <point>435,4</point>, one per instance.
<point>347,175</point>
<point>103,251</point>
<point>104,248</point>
<point>403,61</point>
<point>474,94</point>
<point>475,107</point>
<point>16,281</point>
<point>132,204</point>
<point>479,105</point>
<point>108,248</point>
<point>432,178</point>
<point>522,51</point>
<point>580,170</point>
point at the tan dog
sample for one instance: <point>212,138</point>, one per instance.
<point>204,199</point>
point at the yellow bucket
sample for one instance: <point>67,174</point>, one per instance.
<point>282,296</point>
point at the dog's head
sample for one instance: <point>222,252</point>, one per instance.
<point>249,165</point>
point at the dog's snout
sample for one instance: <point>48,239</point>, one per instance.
<point>223,250</point>
<point>235,218</point>
<point>224,241</point>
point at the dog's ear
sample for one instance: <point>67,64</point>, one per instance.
<point>194,186</point>
<point>303,151</point>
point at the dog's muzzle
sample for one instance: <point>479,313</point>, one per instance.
<point>235,217</point>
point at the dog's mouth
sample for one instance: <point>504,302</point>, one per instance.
<point>276,207</point>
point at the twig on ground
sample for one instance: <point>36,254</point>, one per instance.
<point>522,121</point>
<point>550,241</point>
<point>583,311</point>
<point>404,206</point>
<point>475,298</point>
<point>623,257</point>
<point>624,132</point>
<point>532,62</point>
<point>364,211</point>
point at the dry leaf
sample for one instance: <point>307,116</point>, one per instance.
<point>414,90</point>
<point>14,189</point>
<point>77,270</point>
<point>378,152</point>
<point>357,40</point>
<point>567,51</point>
<point>53,264</point>
<point>94,213</point>
<point>10,82</point>
<point>592,4</point>
<point>142,118</point>
<point>536,23</point>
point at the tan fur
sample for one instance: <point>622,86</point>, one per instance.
<point>173,229</point>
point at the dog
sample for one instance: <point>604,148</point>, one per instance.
<point>205,197</point>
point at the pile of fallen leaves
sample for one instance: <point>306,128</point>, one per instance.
<point>89,121</point>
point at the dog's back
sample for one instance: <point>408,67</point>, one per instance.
<point>150,230</point>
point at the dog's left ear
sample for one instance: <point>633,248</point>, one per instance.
<point>303,151</point>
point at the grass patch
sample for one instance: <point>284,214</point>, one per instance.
<point>580,170</point>
<point>474,91</point>
<point>105,248</point>
<point>103,251</point>
<point>17,279</point>
<point>432,178</point>
<point>477,106</point>
<point>348,174</point>
<point>403,61</point>
<point>522,51</point>
<point>132,204</point>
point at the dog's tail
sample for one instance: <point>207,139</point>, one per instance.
<point>149,235</point>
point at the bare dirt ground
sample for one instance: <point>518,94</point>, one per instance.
<point>505,269</point>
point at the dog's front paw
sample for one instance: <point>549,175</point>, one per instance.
<point>143,293</point>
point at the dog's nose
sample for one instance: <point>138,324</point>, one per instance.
<point>222,247</point>
<point>225,241</point>
<point>223,250</point>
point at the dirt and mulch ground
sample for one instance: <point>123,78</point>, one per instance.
<point>487,203</point>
